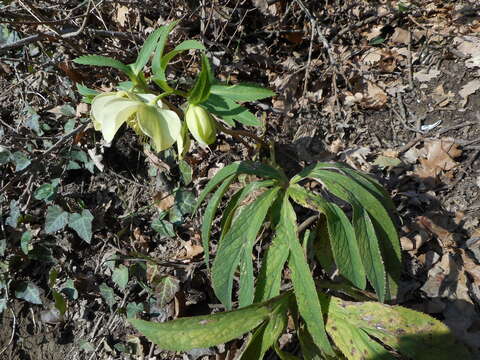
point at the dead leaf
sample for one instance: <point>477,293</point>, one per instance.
<point>122,15</point>
<point>192,249</point>
<point>163,200</point>
<point>468,89</point>
<point>445,237</point>
<point>441,97</point>
<point>400,36</point>
<point>376,98</point>
<point>469,46</point>
<point>440,155</point>
<point>426,75</point>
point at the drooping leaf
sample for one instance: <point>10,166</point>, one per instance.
<point>56,219</point>
<point>239,240</point>
<point>205,331</point>
<point>82,224</point>
<point>366,237</point>
<point>341,234</point>
<point>304,287</point>
<point>230,111</point>
<point>384,227</point>
<point>242,92</point>
<point>98,60</point>
<point>209,215</point>
<point>28,291</point>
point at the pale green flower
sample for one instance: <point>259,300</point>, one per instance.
<point>141,112</point>
<point>201,124</point>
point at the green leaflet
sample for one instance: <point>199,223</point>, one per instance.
<point>209,215</point>
<point>267,334</point>
<point>204,331</point>
<point>303,284</point>
<point>97,60</point>
<point>413,334</point>
<point>201,89</point>
<point>366,237</point>
<point>322,246</point>
<point>385,229</point>
<point>146,51</point>
<point>230,111</point>
<point>242,92</point>
<point>341,233</point>
<point>237,199</point>
<point>236,247</point>
<point>237,168</point>
<point>165,31</point>
<point>160,74</point>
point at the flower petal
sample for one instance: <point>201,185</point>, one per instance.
<point>110,111</point>
<point>162,126</point>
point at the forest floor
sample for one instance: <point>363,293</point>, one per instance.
<point>389,87</point>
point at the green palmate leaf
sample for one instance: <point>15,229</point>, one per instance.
<point>266,335</point>
<point>237,199</point>
<point>82,224</point>
<point>97,60</point>
<point>236,246</point>
<point>201,89</point>
<point>237,168</point>
<point>204,331</point>
<point>341,234</point>
<point>56,219</point>
<point>384,227</point>
<point>242,92</point>
<point>230,111</point>
<point>147,50</point>
<point>411,333</point>
<point>165,31</point>
<point>302,280</point>
<point>209,215</point>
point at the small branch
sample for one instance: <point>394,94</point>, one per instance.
<point>239,133</point>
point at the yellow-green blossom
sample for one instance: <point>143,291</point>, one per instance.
<point>141,112</point>
<point>201,124</point>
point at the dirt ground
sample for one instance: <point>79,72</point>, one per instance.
<point>391,88</point>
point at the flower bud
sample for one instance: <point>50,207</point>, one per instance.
<point>201,124</point>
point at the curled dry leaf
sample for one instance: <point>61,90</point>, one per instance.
<point>439,158</point>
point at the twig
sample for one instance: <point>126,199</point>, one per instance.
<point>238,133</point>
<point>309,221</point>
<point>13,332</point>
<point>317,27</point>
<point>360,24</point>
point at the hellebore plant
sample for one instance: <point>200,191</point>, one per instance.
<point>352,248</point>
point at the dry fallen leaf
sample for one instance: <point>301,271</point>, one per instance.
<point>163,200</point>
<point>440,155</point>
<point>468,89</point>
<point>400,36</point>
<point>425,75</point>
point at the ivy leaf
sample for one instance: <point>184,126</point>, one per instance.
<point>165,290</point>
<point>20,160</point>
<point>28,291</point>
<point>82,224</point>
<point>133,309</point>
<point>163,227</point>
<point>56,219</point>
<point>120,276</point>
<point>25,242</point>
<point>108,294</point>
<point>12,219</point>
<point>186,172</point>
